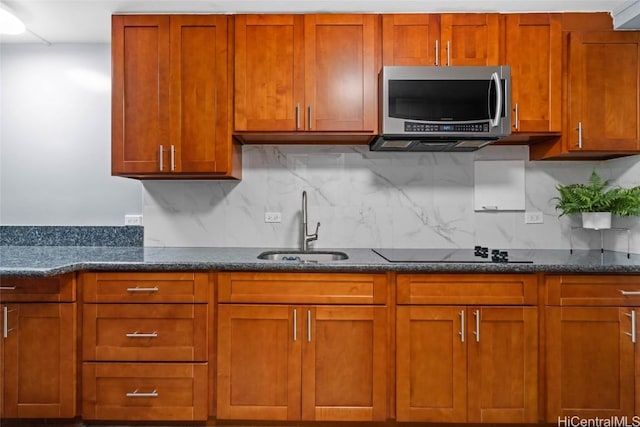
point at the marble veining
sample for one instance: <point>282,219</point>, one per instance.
<point>372,199</point>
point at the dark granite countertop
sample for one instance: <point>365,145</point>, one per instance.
<point>50,260</point>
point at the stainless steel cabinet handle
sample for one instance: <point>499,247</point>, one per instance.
<point>136,393</point>
<point>448,53</point>
<point>437,53</point>
<point>310,117</point>
<point>173,158</point>
<point>298,116</point>
<point>461,326</point>
<point>153,334</point>
<point>517,122</point>
<point>5,321</point>
<point>138,289</point>
<point>579,129</point>
<point>633,325</point>
<point>295,324</point>
<point>7,288</point>
<point>161,158</point>
<point>308,325</point>
<point>629,293</point>
<point>477,331</point>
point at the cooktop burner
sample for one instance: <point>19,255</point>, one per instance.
<point>477,255</point>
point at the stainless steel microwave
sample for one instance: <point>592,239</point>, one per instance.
<point>443,108</point>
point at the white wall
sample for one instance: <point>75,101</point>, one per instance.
<point>55,138</point>
<point>55,170</point>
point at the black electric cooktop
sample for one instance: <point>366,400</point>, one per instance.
<point>477,255</point>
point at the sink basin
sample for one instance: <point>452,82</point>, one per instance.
<point>302,256</point>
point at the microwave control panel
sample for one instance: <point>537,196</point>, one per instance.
<point>436,127</point>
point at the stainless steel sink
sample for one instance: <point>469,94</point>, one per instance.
<point>303,256</point>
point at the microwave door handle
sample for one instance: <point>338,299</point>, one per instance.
<point>496,120</point>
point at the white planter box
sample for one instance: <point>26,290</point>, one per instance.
<point>596,220</point>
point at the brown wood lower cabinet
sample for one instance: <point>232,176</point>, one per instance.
<point>145,391</point>
<point>145,346</point>
<point>40,361</point>
<point>591,362</point>
<point>285,362</point>
<point>592,350</point>
<point>38,347</point>
<point>467,363</point>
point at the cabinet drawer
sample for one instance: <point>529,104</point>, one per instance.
<point>145,332</point>
<point>503,289</point>
<point>593,290</point>
<point>302,288</point>
<point>60,288</point>
<point>145,287</point>
<point>144,391</point>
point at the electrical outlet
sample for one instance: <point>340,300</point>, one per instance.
<point>273,217</point>
<point>533,217</point>
<point>133,220</point>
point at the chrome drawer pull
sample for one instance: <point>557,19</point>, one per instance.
<point>136,393</point>
<point>7,288</point>
<point>629,293</point>
<point>137,289</point>
<point>461,333</point>
<point>153,334</point>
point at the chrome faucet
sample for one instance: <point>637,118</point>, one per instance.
<point>305,236</point>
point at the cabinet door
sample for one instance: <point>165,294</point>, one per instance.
<point>411,39</point>
<point>590,362</point>
<point>200,137</point>
<point>470,39</point>
<point>534,52</point>
<point>503,364</point>
<point>344,364</point>
<point>40,361</point>
<point>431,364</point>
<point>140,94</point>
<point>269,72</point>
<point>603,91</point>
<point>341,72</point>
<point>259,362</point>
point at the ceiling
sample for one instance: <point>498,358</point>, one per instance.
<point>88,21</point>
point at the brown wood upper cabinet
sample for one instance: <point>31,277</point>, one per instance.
<point>448,39</point>
<point>171,101</point>
<point>306,73</point>
<point>533,46</point>
<point>603,92</point>
<point>601,117</point>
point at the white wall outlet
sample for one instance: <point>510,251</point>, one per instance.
<point>273,217</point>
<point>133,220</point>
<point>533,217</point>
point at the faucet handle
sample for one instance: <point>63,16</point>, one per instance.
<point>315,234</point>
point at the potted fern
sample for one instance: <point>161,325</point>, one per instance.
<point>597,201</point>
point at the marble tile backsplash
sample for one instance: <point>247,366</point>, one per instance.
<point>367,199</point>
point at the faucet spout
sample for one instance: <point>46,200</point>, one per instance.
<point>305,236</point>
